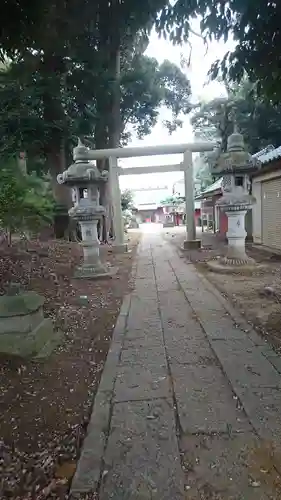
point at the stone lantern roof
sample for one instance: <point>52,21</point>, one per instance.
<point>82,172</point>
<point>236,160</point>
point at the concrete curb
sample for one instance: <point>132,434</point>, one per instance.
<point>89,470</point>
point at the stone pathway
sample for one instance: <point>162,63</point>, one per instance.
<point>189,405</point>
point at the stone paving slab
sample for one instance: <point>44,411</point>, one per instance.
<point>142,304</point>
<point>144,339</point>
<point>177,331</point>
<point>189,351</point>
<point>140,324</point>
<point>151,334</point>
<point>219,326</point>
<point>205,401</point>
<point>141,382</point>
<point>146,292</point>
<point>198,300</point>
<point>244,365</point>
<point>263,407</point>
<point>144,356</point>
<point>142,458</point>
<point>236,467</point>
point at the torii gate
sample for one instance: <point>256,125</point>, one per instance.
<point>79,154</point>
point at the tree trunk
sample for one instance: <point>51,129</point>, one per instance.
<point>101,142</point>
<point>107,133</point>
<point>114,130</point>
<point>54,116</point>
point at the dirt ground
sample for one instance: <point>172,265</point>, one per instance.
<point>258,296</point>
<point>45,405</point>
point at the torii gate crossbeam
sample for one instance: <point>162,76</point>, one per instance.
<point>81,153</point>
<point>157,169</point>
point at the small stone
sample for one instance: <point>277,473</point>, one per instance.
<point>268,291</point>
<point>187,487</point>
<point>151,417</point>
<point>83,300</point>
<point>255,484</point>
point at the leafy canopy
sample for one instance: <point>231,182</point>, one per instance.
<point>254,26</point>
<point>258,120</point>
<point>145,87</point>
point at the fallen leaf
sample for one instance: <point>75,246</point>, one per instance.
<point>66,470</point>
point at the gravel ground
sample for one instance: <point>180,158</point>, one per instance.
<point>45,406</point>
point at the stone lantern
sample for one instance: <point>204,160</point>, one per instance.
<point>85,180</point>
<point>235,166</point>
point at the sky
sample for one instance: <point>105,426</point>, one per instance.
<point>201,60</point>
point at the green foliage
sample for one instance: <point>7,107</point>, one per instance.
<point>127,199</point>
<point>64,80</point>
<point>67,52</point>
<point>202,174</point>
<point>172,200</point>
<point>258,120</point>
<point>21,122</point>
<point>38,203</point>
<point>255,27</point>
<point>25,200</point>
<point>11,196</point>
<point>127,217</point>
<point>145,87</point>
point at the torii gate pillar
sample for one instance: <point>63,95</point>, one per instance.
<point>191,241</point>
<point>119,245</point>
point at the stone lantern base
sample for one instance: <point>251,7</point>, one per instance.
<point>223,266</point>
<point>92,267</point>
<point>236,258</point>
<point>92,272</point>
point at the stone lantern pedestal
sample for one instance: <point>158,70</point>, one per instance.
<point>235,166</point>
<point>88,218</point>
<point>85,179</point>
<point>235,211</point>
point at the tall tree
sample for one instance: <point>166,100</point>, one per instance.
<point>50,37</point>
<point>145,87</point>
<point>254,26</point>
<point>258,120</point>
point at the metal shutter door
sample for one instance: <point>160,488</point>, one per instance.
<point>271,213</point>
